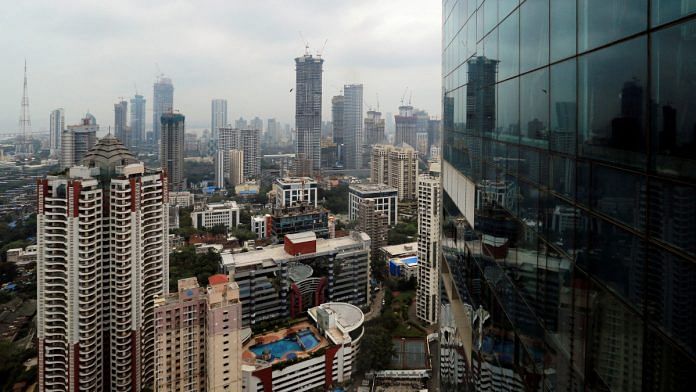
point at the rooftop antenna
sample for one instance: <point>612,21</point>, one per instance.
<point>409,97</point>
<point>377,94</point>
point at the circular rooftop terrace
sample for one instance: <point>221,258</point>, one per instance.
<point>349,316</point>
<point>299,272</point>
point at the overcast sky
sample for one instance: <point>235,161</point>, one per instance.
<point>86,54</point>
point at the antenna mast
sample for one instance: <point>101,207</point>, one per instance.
<point>24,146</point>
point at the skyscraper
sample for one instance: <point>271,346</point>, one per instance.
<point>428,291</point>
<point>353,125</point>
<point>375,224</point>
<point>374,128</point>
<point>57,126</point>
<point>308,87</point>
<point>256,123</point>
<point>218,116</point>
<point>77,140</point>
<point>337,121</point>
<point>102,259</point>
<point>397,167</point>
<point>137,120</point>
<point>162,102</point>
<point>121,130</point>
<point>405,127</point>
<point>245,140</point>
<point>172,149</point>
<point>562,176</point>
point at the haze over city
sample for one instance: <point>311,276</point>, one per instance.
<point>84,56</point>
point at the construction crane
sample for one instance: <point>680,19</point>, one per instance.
<point>404,96</point>
<point>321,51</point>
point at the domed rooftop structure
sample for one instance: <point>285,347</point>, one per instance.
<point>107,154</point>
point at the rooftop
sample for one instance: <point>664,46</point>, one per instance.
<point>277,252</point>
<point>348,316</point>
<point>296,180</point>
<point>401,249</point>
<point>305,236</point>
<point>372,187</point>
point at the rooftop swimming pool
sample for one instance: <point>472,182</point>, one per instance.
<point>301,341</point>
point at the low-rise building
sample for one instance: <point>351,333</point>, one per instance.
<point>261,225</point>
<point>213,214</point>
<point>181,199</point>
<point>295,191</point>
<point>198,337</point>
<point>247,190</point>
<point>22,256</point>
<point>318,353</point>
<point>385,198</point>
<point>281,281</point>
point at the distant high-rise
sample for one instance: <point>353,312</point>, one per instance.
<point>308,90</point>
<point>337,121</point>
<point>427,293</point>
<point>397,167</point>
<point>218,116</point>
<point>77,140</point>
<point>241,123</point>
<point>353,125</point>
<point>172,149</point>
<point>374,128</point>
<point>245,140</point>
<point>256,123</point>
<point>375,223</point>
<point>57,126</point>
<point>121,130</point>
<point>272,131</point>
<point>137,120</point>
<point>102,259</point>
<point>162,102</point>
<point>229,167</point>
<point>405,127</point>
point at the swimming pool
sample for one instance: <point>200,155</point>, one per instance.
<point>279,348</point>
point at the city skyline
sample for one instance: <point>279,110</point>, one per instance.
<point>123,37</point>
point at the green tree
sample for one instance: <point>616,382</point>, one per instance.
<point>187,264</point>
<point>376,350</point>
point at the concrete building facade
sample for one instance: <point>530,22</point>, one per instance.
<point>102,248</point>
<point>397,167</point>
<point>77,140</point>
<point>384,196</point>
<point>213,214</point>
<point>428,291</point>
<point>56,128</point>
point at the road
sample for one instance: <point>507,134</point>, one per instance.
<point>376,307</point>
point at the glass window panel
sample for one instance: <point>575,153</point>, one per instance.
<point>615,257</point>
<point>534,34</point>
<point>505,7</point>
<point>490,46</point>
<point>480,23</point>
<point>562,176</point>
<point>619,194</point>
<point>668,10</point>
<point>674,371</point>
<point>563,29</point>
<point>672,214</point>
<point>674,96</point>
<point>612,102</point>
<point>508,118</point>
<point>560,219</point>
<point>534,108</point>
<point>490,13</point>
<point>534,165</point>
<point>563,107</point>
<point>470,37</point>
<point>604,21</point>
<point>671,295</point>
<point>508,46</point>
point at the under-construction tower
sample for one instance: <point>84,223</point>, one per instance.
<point>308,108</point>
<point>24,145</point>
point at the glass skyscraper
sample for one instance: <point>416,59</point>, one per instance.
<point>569,195</point>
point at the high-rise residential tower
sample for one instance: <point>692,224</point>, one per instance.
<point>208,322</point>
<point>569,245</point>
<point>308,88</point>
<point>353,125</point>
<point>77,140</point>
<point>428,291</point>
<point>162,102</point>
<point>397,167</point>
<point>121,130</point>
<point>374,128</point>
<point>172,149</point>
<point>137,120</point>
<point>102,259</point>
<point>218,116</point>
<point>57,126</point>
<point>246,141</point>
<point>337,121</point>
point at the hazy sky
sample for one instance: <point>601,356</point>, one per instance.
<point>86,54</point>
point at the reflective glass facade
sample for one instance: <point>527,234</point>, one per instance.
<point>569,176</point>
